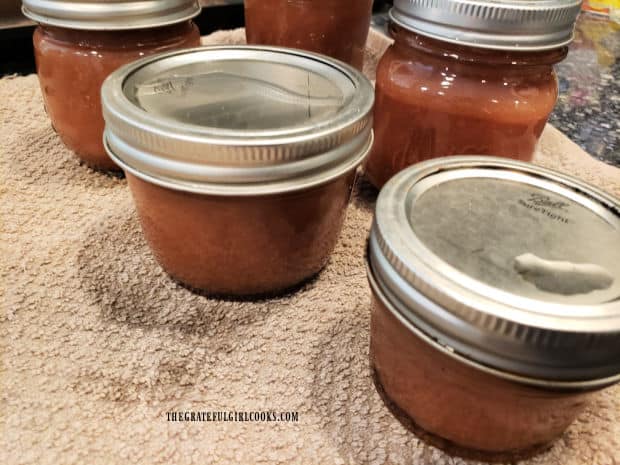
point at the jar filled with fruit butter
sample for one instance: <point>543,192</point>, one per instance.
<point>467,77</point>
<point>78,43</point>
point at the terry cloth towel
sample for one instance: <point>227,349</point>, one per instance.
<point>98,344</point>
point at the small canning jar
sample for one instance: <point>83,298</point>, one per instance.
<point>78,43</point>
<point>241,160</point>
<point>485,341</point>
<point>337,28</point>
<point>467,77</point>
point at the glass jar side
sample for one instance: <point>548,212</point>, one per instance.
<point>72,65</point>
<point>337,28</point>
<point>437,99</point>
<point>242,245</point>
<point>456,407</point>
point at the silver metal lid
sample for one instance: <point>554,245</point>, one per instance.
<point>524,25</point>
<point>512,265</point>
<point>238,120</point>
<point>110,14</point>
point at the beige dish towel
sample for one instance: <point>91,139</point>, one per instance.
<point>98,344</point>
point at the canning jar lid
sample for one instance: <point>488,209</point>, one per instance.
<point>239,120</point>
<point>110,14</point>
<point>510,265</point>
<point>517,25</point>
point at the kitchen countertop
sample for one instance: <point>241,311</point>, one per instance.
<point>588,108</point>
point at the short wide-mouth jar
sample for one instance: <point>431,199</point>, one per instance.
<point>496,302</point>
<point>78,43</point>
<point>241,160</point>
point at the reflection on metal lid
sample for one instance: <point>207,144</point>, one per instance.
<point>243,99</point>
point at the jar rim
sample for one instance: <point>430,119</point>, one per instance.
<point>445,348</point>
<point>110,16</point>
<point>457,51</point>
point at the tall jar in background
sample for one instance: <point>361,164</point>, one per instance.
<point>80,42</point>
<point>337,28</point>
<point>465,77</point>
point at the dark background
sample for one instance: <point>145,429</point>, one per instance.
<point>16,42</point>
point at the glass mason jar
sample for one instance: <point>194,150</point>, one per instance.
<point>444,90</point>
<point>78,44</point>
<point>485,341</point>
<point>240,160</point>
<point>337,28</point>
